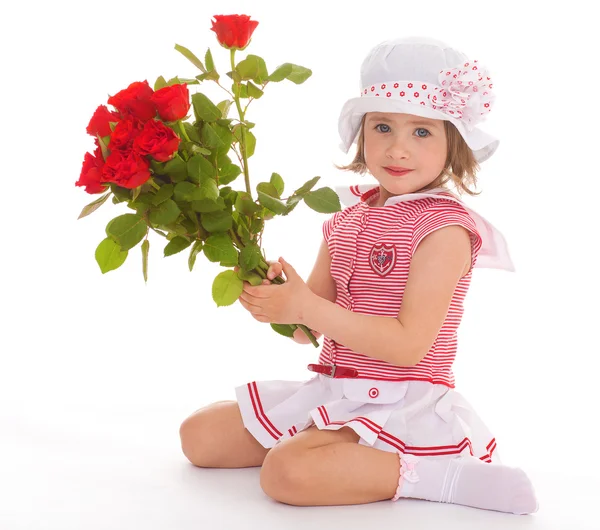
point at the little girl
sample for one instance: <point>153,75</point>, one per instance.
<point>381,419</point>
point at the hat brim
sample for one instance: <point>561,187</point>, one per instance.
<point>481,143</point>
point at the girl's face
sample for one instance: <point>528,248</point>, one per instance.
<point>403,140</point>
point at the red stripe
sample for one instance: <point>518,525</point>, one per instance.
<point>260,413</point>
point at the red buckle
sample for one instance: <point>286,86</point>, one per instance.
<point>332,370</point>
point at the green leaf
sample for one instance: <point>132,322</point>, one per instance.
<point>189,55</point>
<point>193,253</point>
<point>193,134</point>
<point>122,194</point>
<point>127,230</point>
<point>209,75</point>
<point>219,247</point>
<point>244,204</point>
<point>199,168</point>
<point>268,189</point>
<point>176,168</point>
<point>210,137</point>
<point>295,73</point>
<point>165,192</point>
<point>254,91</point>
<point>145,249</point>
<point>250,257</point>
<point>205,108</point>
<point>251,277</point>
<point>208,205</point>
<point>93,206</point>
<point>250,144</point>
<point>277,181</point>
<point>227,288</point>
<point>103,142</point>
<point>257,226</point>
<point>253,67</point>
<point>273,204</point>
<point>206,190</point>
<point>224,107</point>
<point>216,221</point>
<point>177,244</point>
<point>109,255</point>
<point>218,138</point>
<point>228,174</point>
<point>183,191</point>
<point>307,186</point>
<point>136,192</point>
<point>208,60</point>
<point>299,74</point>
<point>283,329</point>
<point>240,90</point>
<point>292,202</point>
<point>165,213</point>
<point>160,83</point>
<point>323,200</point>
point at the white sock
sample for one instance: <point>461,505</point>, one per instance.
<point>469,482</point>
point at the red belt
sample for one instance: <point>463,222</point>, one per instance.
<point>332,370</point>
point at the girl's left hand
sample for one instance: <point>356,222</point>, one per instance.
<point>279,304</point>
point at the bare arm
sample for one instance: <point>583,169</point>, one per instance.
<point>320,283</point>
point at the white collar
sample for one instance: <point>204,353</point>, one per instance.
<point>494,250</point>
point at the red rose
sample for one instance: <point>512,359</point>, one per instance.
<point>157,140</point>
<point>129,169</point>
<point>125,133</point>
<point>91,173</point>
<point>99,122</point>
<point>233,31</point>
<point>172,102</point>
<point>136,100</point>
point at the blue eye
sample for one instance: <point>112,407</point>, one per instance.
<point>381,124</point>
<point>388,130</point>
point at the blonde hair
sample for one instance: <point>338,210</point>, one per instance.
<point>460,167</point>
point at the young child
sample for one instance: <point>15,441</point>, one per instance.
<point>381,418</point>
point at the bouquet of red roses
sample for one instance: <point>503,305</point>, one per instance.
<point>175,174</point>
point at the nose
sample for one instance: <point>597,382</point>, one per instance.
<point>397,148</point>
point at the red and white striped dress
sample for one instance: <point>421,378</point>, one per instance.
<point>371,250</point>
<point>411,410</point>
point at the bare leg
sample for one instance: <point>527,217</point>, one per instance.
<point>324,467</point>
<point>215,436</point>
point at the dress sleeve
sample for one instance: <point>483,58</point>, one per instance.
<point>330,224</point>
<point>443,215</point>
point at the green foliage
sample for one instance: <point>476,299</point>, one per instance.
<point>188,200</point>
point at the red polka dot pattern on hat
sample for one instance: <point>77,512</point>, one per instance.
<point>464,93</point>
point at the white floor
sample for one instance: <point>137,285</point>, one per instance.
<point>120,468</point>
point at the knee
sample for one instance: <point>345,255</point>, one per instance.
<point>194,440</point>
<point>283,475</point>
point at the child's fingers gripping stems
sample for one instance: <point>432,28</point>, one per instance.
<point>275,269</point>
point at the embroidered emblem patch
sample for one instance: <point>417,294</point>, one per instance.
<point>382,258</point>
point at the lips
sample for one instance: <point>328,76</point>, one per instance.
<point>395,170</point>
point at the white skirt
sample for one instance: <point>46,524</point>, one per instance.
<point>410,417</point>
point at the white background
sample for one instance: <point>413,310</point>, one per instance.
<point>105,359</point>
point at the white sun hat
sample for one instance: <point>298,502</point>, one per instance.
<point>423,77</point>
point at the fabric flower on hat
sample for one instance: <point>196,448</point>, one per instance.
<point>465,93</point>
